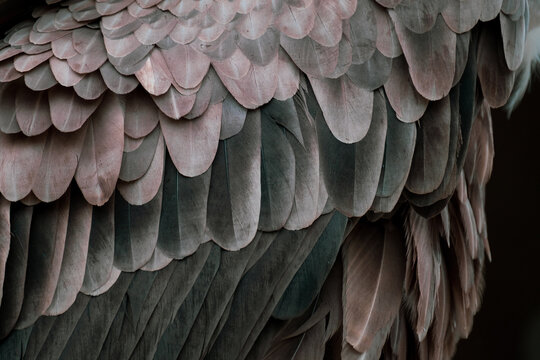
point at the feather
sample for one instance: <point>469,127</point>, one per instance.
<point>8,120</point>
<point>157,262</point>
<point>437,199</point>
<point>219,49</point>
<point>68,111</point>
<point>313,59</point>
<point>136,163</point>
<point>260,51</point>
<point>431,57</point>
<point>359,164</point>
<point>308,281</point>
<point>419,16</point>
<point>263,284</point>
<point>362,32</point>
<point>387,42</point>
<point>233,116</point>
<point>5,239</point>
<point>463,42</point>
<point>63,48</point>
<point>32,111</point>
<point>16,267</point>
<point>14,347</point>
<point>55,331</point>
<point>424,238</point>
<point>462,16</point>
<point>58,164</point>
<point>398,155</point>
<point>347,108</point>
<point>192,144</point>
<point>277,173</point>
<point>490,10</point>
<point>24,62</point>
<point>183,34</point>
<point>101,156</point>
<point>40,78</point>
<point>73,267</point>
<point>432,147</point>
<point>141,114</point>
<point>513,36</point>
<point>99,260</point>
<point>20,159</point>
<point>288,77</point>
<point>174,104</point>
<point>495,78</point>
<point>117,82</point>
<point>63,73</point>
<point>306,152</point>
<point>95,321</point>
<point>183,213</point>
<point>327,26</point>
<point>91,86</point>
<point>295,22</point>
<point>255,23</point>
<point>178,287</point>
<point>173,338</point>
<point>234,204</point>
<point>40,38</point>
<point>235,66</point>
<point>344,60</point>
<point>136,232</point>
<point>217,301</point>
<point>46,248</point>
<point>257,87</point>
<point>155,75</point>
<point>152,33</point>
<point>374,263</point>
<point>405,100</point>
<point>211,91</point>
<point>8,72</point>
<point>187,65</point>
<point>373,73</point>
<point>144,189</point>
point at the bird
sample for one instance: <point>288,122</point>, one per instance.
<point>249,179</point>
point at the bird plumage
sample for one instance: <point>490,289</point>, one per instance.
<point>248,179</point>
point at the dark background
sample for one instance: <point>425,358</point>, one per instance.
<point>508,324</point>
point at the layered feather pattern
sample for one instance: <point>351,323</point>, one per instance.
<point>248,179</point>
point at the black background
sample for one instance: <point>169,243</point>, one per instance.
<point>508,324</point>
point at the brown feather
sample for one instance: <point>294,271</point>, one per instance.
<point>71,275</point>
<point>19,164</point>
<point>408,104</point>
<point>91,86</point>
<point>430,157</point>
<point>32,111</point>
<point>187,65</point>
<point>347,108</point>
<point>46,249</point>
<point>144,189</point>
<point>101,156</point>
<point>174,104</point>
<point>68,111</point>
<point>431,56</point>
<point>462,16</point>
<point>374,264</point>
<point>59,162</point>
<point>141,114</point>
<point>192,144</point>
<point>63,72</point>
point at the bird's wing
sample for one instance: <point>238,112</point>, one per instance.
<point>176,175</point>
